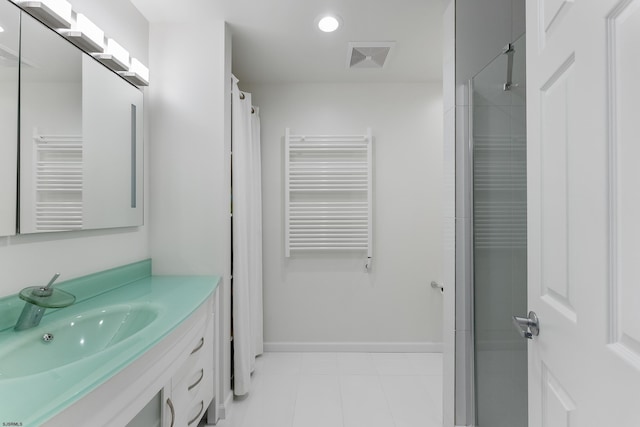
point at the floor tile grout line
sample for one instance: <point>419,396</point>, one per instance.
<point>342,371</point>
<point>295,399</point>
<point>386,399</point>
<point>297,391</point>
<point>341,399</point>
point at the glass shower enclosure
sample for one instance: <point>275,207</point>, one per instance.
<point>498,130</point>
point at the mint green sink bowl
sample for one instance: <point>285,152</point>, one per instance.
<point>119,315</point>
<point>74,338</point>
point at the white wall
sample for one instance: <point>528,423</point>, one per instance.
<point>190,160</point>
<point>32,259</point>
<point>187,165</point>
<point>329,298</point>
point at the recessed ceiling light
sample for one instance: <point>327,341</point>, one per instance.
<point>328,24</point>
<point>1,30</point>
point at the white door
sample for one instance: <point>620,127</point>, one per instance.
<point>583,122</point>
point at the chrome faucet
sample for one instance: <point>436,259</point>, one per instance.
<point>38,299</point>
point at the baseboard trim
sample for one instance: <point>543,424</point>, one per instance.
<point>359,347</point>
<point>224,408</point>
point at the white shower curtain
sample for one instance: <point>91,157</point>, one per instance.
<point>247,239</point>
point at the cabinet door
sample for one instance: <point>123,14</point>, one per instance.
<point>9,47</point>
<point>113,143</point>
<point>81,139</point>
<point>168,408</point>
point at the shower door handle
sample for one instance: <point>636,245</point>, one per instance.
<point>528,327</point>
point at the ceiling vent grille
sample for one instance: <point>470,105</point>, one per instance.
<point>368,54</point>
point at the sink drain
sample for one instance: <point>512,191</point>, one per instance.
<point>47,337</point>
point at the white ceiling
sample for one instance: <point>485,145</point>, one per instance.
<point>277,40</point>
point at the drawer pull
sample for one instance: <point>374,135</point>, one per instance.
<point>173,411</point>
<point>197,417</point>
<point>199,346</point>
<point>198,381</point>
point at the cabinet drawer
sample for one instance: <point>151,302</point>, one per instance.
<point>196,413</point>
<point>191,383</point>
<point>197,399</point>
<point>195,358</point>
<point>191,389</point>
<point>199,374</point>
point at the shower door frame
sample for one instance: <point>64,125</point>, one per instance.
<point>465,387</point>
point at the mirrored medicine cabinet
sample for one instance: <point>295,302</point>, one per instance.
<point>71,145</point>
<point>9,78</point>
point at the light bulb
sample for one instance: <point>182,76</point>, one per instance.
<point>328,24</point>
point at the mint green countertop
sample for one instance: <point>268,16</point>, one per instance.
<point>33,399</point>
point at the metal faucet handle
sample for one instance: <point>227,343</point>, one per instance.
<point>47,290</point>
<point>53,279</point>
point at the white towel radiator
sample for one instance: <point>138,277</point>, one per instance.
<point>328,193</point>
<point>58,182</point>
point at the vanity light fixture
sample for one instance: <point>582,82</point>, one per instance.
<point>54,13</point>
<point>138,74</point>
<point>328,23</point>
<point>58,14</point>
<point>115,56</point>
<point>85,34</point>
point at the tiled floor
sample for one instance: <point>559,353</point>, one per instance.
<point>342,390</point>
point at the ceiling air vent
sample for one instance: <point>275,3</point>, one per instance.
<point>368,54</point>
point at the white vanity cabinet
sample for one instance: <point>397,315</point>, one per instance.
<point>187,395</point>
<point>179,369</point>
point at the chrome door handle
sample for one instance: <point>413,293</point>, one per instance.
<point>528,327</point>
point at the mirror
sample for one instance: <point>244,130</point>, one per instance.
<point>80,139</point>
<point>9,48</point>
